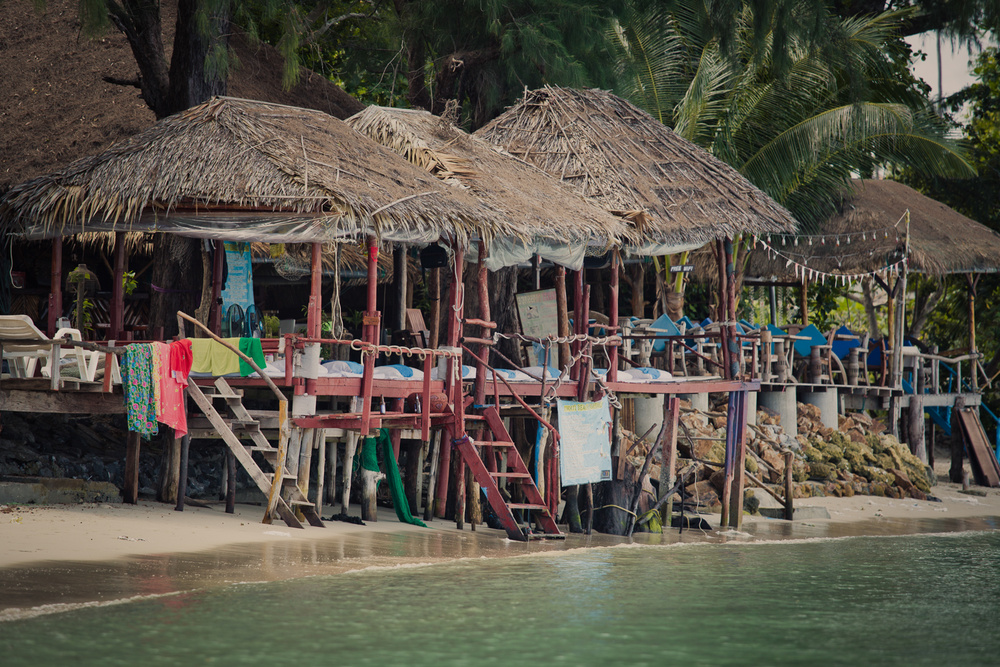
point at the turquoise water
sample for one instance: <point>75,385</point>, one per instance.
<point>926,599</point>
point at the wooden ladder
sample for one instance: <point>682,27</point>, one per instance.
<point>481,457</point>
<point>241,425</point>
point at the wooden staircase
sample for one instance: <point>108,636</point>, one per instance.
<point>482,459</point>
<point>239,426</point>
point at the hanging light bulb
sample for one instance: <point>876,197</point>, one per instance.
<point>848,240</point>
<point>796,240</point>
<point>838,241</point>
<point>810,240</point>
<point>782,240</point>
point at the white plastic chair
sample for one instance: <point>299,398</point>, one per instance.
<point>23,358</point>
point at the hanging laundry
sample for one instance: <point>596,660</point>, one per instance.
<point>252,348</point>
<point>175,362</point>
<point>137,381</point>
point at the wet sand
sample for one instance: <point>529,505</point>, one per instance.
<point>60,557</point>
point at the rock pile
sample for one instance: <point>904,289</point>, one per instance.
<point>859,458</point>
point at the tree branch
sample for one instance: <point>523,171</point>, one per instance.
<point>134,83</point>
<point>318,32</point>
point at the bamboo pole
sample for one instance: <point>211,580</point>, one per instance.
<point>668,460</point>
<point>562,315</point>
<point>613,318</point>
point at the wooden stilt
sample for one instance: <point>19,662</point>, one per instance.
<point>230,482</point>
<point>435,323</point>
<point>182,477</point>
<point>613,318</point>
<point>350,449</point>
<point>475,507</point>
<point>170,470</point>
<point>369,481</point>
<point>453,387</point>
<point>429,509</point>
<point>314,318</point>
<point>320,440</point>
<point>563,315</point>
<point>55,291</point>
<point>668,455</point>
<point>130,492</point>
<point>118,290</point>
<point>738,415</point>
<point>215,311</point>
<point>305,462</point>
<point>789,501</point>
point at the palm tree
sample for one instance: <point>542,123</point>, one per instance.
<point>838,106</point>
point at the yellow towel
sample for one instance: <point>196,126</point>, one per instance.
<point>211,357</point>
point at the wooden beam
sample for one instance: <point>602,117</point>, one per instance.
<point>314,319</point>
<point>215,308</point>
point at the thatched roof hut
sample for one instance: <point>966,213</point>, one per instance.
<point>244,170</point>
<point>564,222</point>
<point>868,235</point>
<point>679,195</point>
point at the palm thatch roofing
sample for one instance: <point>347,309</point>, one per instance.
<point>246,170</point>
<point>611,151</point>
<point>512,187</point>
<point>869,233</point>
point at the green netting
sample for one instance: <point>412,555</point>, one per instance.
<point>369,460</point>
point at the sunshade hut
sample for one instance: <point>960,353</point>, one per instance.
<point>885,229</point>
<point>677,194</point>
<point>240,169</point>
<point>563,223</point>
<point>869,235</point>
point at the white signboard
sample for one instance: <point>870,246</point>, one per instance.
<point>585,441</point>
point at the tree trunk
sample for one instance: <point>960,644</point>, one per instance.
<point>870,313</point>
<point>191,80</point>
<point>503,307</point>
<point>176,280</point>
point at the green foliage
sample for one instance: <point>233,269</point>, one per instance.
<point>129,282</point>
<point>843,104</point>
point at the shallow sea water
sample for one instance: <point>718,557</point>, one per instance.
<point>930,599</point>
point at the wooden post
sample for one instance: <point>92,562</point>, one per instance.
<point>118,289</point>
<point>453,387</point>
<point>320,440</point>
<point>399,279</point>
<point>613,320</point>
<point>579,321</point>
<point>804,301</point>
<point>736,428</point>
<point>482,276</point>
<point>369,480</point>
<point>974,375</point>
<point>183,476</point>
<point>55,291</point>
<point>789,460</point>
<point>314,318</point>
<point>955,474</point>
<point>562,315</point>
<point>215,309</point>
<point>350,448</point>
<point>668,454</point>
<point>475,507</point>
<point>720,249</point>
<point>130,492</point>
<point>230,482</point>
<point>305,462</point>
<point>429,509</point>
<point>915,427</point>
<point>435,323</point>
<point>170,469</point>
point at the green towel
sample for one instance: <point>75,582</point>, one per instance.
<point>252,348</point>
<point>370,462</point>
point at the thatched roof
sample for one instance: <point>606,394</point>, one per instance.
<point>245,170</point>
<point>515,189</point>
<point>57,106</point>
<point>869,233</point>
<point>611,151</point>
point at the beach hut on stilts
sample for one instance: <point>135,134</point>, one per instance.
<point>884,232</point>
<point>246,171</point>
<point>677,197</point>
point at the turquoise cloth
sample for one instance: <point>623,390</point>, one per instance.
<point>252,348</point>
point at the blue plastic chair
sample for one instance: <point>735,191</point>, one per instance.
<point>663,325</point>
